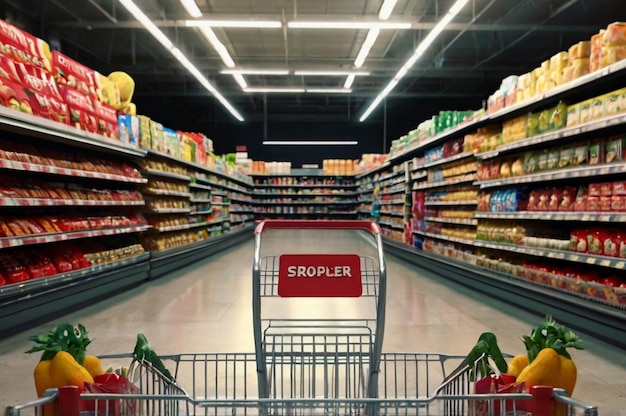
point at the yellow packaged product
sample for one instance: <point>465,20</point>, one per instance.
<point>579,50</point>
<point>615,102</point>
<point>558,61</point>
<point>556,78</point>
<point>615,34</point>
<point>584,114</point>
<point>611,55</point>
<point>595,53</point>
<point>545,66</point>
<point>573,115</point>
<point>145,138</point>
<point>580,67</point>
<point>597,107</point>
<point>568,74</point>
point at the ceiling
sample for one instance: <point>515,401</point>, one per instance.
<point>487,41</point>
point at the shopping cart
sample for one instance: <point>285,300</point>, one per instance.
<point>306,361</point>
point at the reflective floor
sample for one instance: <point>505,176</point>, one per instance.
<point>206,307</point>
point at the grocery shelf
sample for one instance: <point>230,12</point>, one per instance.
<point>604,322</point>
<point>392,202</point>
<point>306,203</point>
<point>391,225</point>
<point>595,126</point>
<point>29,302</point>
<point>393,191</point>
<point>7,242</point>
<point>168,211</point>
<point>554,216</point>
<point>200,200</point>
<point>589,171</point>
<point>55,170</point>
<point>206,212</point>
<point>461,221</point>
<point>449,203</point>
<point>445,237</point>
<point>296,186</point>
<point>584,258</point>
<point>393,214</point>
<point>454,158</point>
<point>392,175</point>
<point>166,192</point>
<point>49,202</point>
<point>164,174</point>
<point>41,128</point>
<point>428,185</point>
<point>175,259</point>
<point>194,185</point>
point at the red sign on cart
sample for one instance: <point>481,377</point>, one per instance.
<point>319,275</point>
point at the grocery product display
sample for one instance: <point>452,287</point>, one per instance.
<point>310,195</point>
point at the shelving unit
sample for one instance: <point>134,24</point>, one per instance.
<point>488,246</point>
<point>310,195</point>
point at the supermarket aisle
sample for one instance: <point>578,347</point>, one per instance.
<point>206,308</point>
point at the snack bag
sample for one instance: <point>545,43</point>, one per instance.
<point>502,384</point>
<point>111,383</point>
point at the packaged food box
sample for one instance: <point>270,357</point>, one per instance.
<point>573,115</point>
<point>82,113</point>
<point>619,188</point>
<point>596,51</point>
<point>171,145</point>
<point>145,138</point>
<point>12,95</point>
<point>24,47</point>
<point>581,154</point>
<point>107,120</point>
<point>157,142</point>
<point>37,79</point>
<point>579,50</point>
<point>7,68</point>
<point>596,152</point>
<point>558,116</point>
<point>49,107</point>
<point>597,107</point>
<point>584,114</point>
<point>615,149</point>
<point>566,155</point>
<point>594,190</point>
<point>128,127</point>
<point>73,74</point>
<point>615,34</point>
<point>611,55</point>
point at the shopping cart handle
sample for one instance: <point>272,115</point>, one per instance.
<point>318,224</point>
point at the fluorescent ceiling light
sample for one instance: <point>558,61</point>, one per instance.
<point>241,81</point>
<point>419,51</point>
<point>366,47</point>
<point>386,9</point>
<point>311,142</point>
<point>328,90</point>
<point>255,71</point>
<point>349,81</point>
<point>177,53</point>
<point>329,73</point>
<point>260,24</point>
<point>191,7</point>
<point>218,46</point>
<point>302,24</point>
<point>277,90</point>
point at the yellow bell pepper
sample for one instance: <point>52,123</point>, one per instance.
<point>517,364</point>
<point>550,368</point>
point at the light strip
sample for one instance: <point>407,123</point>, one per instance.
<point>386,9</point>
<point>164,40</point>
<point>277,90</point>
<point>255,71</point>
<point>366,47</point>
<point>329,73</point>
<point>349,81</point>
<point>259,24</point>
<point>218,46</point>
<point>310,142</point>
<point>191,7</point>
<point>302,24</point>
<point>419,51</point>
<point>241,81</point>
<point>328,90</point>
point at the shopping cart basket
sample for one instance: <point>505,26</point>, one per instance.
<point>306,361</point>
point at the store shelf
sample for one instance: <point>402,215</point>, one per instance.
<point>165,192</point>
<point>200,200</point>
<point>56,237</point>
<point>49,202</point>
<point>610,262</point>
<point>164,174</point>
<point>27,303</point>
<point>391,225</point>
<point>556,175</point>
<point>457,181</point>
<point>55,170</point>
<point>33,126</point>
<point>168,211</point>
<point>307,203</point>
<point>554,216</point>
<point>207,212</point>
<point>598,320</point>
<point>455,158</point>
<point>305,186</point>
<point>392,202</point>
<point>393,191</point>
<point>445,237</point>
<point>188,226</point>
<point>393,214</point>
<point>460,221</point>
<point>194,185</point>
<point>449,203</point>
<point>596,126</point>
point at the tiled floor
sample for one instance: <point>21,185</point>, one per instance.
<point>206,307</point>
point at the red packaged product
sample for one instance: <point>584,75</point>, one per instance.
<point>73,74</point>
<point>13,95</point>
<point>7,68</point>
<point>578,240</point>
<point>595,189</point>
<point>580,204</point>
<point>606,189</point>
<point>593,203</point>
<point>556,196</point>
<point>619,188</point>
<point>107,120</point>
<point>618,203</point>
<point>37,79</point>
<point>568,199</point>
<point>24,47</point>
<point>610,244</point>
<point>81,110</point>
<point>595,237</point>
<point>605,203</point>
